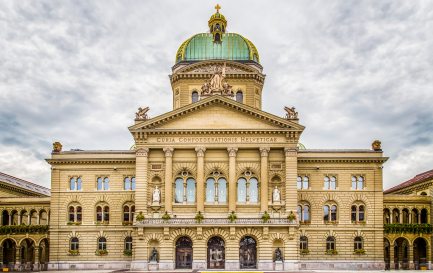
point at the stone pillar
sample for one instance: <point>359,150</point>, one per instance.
<point>141,172</point>
<point>232,178</point>
<point>391,257</point>
<point>291,203</point>
<point>1,256</point>
<point>264,152</point>
<point>200,178</point>
<point>17,258</point>
<point>10,219</point>
<point>168,178</point>
<point>400,215</point>
<point>36,259</point>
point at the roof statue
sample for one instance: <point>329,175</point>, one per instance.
<point>141,114</point>
<point>291,113</point>
<point>57,147</point>
<point>216,84</point>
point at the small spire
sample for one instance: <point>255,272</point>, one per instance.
<point>217,7</point>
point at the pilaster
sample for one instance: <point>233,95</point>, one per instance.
<point>232,178</point>
<point>141,170</point>
<point>168,200</point>
<point>264,153</point>
<point>200,178</point>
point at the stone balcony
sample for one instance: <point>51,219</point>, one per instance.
<point>182,222</point>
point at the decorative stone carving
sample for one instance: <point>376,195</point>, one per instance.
<point>264,151</point>
<point>217,85</point>
<point>276,195</point>
<point>278,255</point>
<point>232,151</point>
<point>291,113</point>
<point>168,151</point>
<point>141,114</point>
<point>200,151</point>
<point>376,145</point>
<point>210,69</point>
<point>154,255</point>
<point>156,196</point>
<point>289,152</point>
<point>142,152</point>
<point>57,147</point>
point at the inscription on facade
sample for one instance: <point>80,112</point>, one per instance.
<point>187,140</point>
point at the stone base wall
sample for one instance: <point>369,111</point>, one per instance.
<point>89,265</point>
<point>341,265</point>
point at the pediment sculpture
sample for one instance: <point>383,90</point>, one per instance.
<point>217,84</point>
<point>291,113</point>
<point>141,114</point>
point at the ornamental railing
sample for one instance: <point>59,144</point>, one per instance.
<point>23,229</point>
<point>217,221</point>
<point>408,228</point>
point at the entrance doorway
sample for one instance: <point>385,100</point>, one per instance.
<point>248,252</point>
<point>215,253</point>
<point>420,253</point>
<point>184,253</point>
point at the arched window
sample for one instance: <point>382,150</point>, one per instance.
<point>239,96</point>
<point>75,184</point>
<point>128,244</point>
<point>216,188</point>
<point>74,244</point>
<point>248,188</point>
<point>102,214</point>
<point>303,243</point>
<point>303,182</point>
<point>415,216</point>
<point>103,183</point>
<point>24,217</point>
<point>330,183</point>
<point>185,188</point>
<point>357,182</point>
<point>361,213</point>
<point>304,213</point>
<point>79,214</point>
<point>133,183</point>
<point>354,210</point>
<point>330,243</point>
<point>423,193</point>
<point>358,243</point>
<point>424,214</point>
<point>386,216</point>
<point>102,243</point>
<point>330,213</point>
<point>242,190</point>
<point>194,96</point>
<point>128,214</point>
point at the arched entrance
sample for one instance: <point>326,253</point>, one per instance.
<point>27,254</point>
<point>387,254</point>
<point>419,253</point>
<point>248,252</point>
<point>184,253</point>
<point>215,253</point>
<point>401,253</point>
<point>9,247</point>
<point>44,254</point>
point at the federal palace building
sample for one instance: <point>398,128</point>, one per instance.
<point>216,183</point>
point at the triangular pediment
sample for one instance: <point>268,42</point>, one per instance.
<point>217,113</point>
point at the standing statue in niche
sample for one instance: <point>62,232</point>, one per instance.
<point>154,255</point>
<point>278,255</point>
<point>276,195</point>
<point>156,196</point>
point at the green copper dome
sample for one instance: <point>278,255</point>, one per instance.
<point>232,47</point>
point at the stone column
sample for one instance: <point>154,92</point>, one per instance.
<point>200,178</point>
<point>264,152</point>
<point>1,256</point>
<point>36,264</point>
<point>168,178</point>
<point>391,257</point>
<point>17,258</point>
<point>232,178</point>
<point>141,172</point>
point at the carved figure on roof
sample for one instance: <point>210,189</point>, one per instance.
<point>216,85</point>
<point>57,147</point>
<point>291,113</point>
<point>376,145</point>
<point>141,114</point>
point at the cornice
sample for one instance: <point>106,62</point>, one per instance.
<point>379,160</point>
<point>90,161</point>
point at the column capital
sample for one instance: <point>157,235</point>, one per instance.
<point>290,152</point>
<point>200,151</point>
<point>168,151</point>
<point>232,151</point>
<point>142,152</point>
<point>264,151</point>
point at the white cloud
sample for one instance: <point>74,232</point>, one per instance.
<point>76,71</point>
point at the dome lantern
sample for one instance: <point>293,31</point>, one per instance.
<point>217,25</point>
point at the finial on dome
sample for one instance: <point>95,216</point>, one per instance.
<point>217,25</point>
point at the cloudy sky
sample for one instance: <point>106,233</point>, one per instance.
<point>76,71</point>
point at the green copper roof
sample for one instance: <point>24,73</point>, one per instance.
<point>232,47</point>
